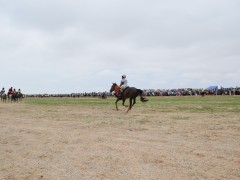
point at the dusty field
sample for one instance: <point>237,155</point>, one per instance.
<point>72,142</point>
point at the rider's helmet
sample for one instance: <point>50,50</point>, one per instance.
<point>123,76</point>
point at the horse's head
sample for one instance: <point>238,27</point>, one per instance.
<point>113,87</point>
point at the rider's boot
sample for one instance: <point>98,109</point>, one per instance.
<point>120,96</point>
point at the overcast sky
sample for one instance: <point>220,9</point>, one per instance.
<point>65,46</point>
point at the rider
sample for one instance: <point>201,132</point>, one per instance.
<point>14,91</point>
<point>10,91</point>
<point>123,85</point>
<point>3,91</point>
<point>19,91</point>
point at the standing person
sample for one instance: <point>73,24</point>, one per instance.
<point>123,85</point>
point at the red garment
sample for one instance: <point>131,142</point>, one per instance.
<point>10,91</point>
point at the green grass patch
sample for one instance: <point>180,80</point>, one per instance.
<point>208,104</point>
<point>198,104</point>
<point>55,101</point>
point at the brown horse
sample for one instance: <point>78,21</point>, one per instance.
<point>129,92</point>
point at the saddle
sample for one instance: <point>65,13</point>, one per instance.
<point>120,94</point>
<point>125,88</point>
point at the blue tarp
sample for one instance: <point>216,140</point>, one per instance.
<point>212,87</point>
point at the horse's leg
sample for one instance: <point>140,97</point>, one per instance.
<point>13,98</point>
<point>123,103</point>
<point>116,104</point>
<point>134,101</point>
<point>130,104</point>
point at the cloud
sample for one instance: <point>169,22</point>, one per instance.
<point>74,46</point>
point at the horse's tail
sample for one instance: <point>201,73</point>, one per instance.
<point>140,92</point>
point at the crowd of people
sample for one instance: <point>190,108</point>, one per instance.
<point>72,95</point>
<point>151,92</point>
<point>192,92</point>
<point>147,92</point>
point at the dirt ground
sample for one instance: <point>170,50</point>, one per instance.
<point>73,142</point>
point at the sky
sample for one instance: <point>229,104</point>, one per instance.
<point>70,46</point>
